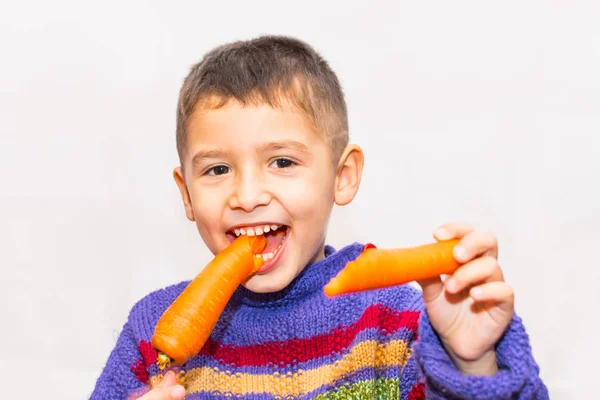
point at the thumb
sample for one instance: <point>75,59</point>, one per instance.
<point>176,392</point>
<point>432,288</point>
<point>169,387</point>
<point>168,380</point>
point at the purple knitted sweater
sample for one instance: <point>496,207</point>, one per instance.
<point>299,344</point>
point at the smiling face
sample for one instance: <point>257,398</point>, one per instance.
<point>261,170</point>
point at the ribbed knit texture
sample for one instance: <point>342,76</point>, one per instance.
<point>299,344</point>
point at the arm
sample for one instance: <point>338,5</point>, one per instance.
<point>472,343</point>
<point>517,376</point>
<point>117,380</point>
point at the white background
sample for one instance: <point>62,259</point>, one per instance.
<point>477,111</point>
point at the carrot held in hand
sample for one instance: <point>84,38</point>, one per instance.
<point>187,323</point>
<point>379,268</point>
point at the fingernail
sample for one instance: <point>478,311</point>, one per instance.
<point>476,292</point>
<point>442,233</point>
<point>460,252</point>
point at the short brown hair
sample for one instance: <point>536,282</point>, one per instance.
<point>267,70</point>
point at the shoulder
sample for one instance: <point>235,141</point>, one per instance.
<point>146,312</point>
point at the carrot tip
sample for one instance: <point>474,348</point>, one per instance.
<point>331,289</point>
<point>258,262</point>
<point>257,243</point>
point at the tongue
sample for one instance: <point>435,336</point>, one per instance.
<point>274,239</point>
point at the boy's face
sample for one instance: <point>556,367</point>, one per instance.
<point>260,170</point>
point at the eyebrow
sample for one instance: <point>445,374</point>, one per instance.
<point>283,145</point>
<point>202,155</point>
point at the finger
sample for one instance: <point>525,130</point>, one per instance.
<point>432,288</point>
<point>177,392</point>
<point>174,393</point>
<point>169,379</point>
<point>453,230</point>
<point>154,394</point>
<point>475,244</point>
<point>482,269</point>
<point>167,389</point>
<point>498,292</point>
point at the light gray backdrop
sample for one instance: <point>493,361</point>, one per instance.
<point>478,111</point>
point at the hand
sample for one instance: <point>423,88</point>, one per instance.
<point>471,309</point>
<point>167,389</point>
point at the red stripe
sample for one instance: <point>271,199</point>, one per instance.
<point>294,351</point>
<point>417,392</point>
<point>149,354</point>
<point>140,371</point>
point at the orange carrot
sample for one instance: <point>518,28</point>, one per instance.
<point>379,268</point>
<point>187,323</point>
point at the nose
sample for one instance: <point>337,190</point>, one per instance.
<point>249,192</point>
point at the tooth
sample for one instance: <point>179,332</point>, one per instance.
<point>259,231</point>
<point>259,255</point>
<point>270,255</point>
<point>242,231</point>
<point>267,228</point>
<point>274,227</point>
<point>237,232</point>
<point>250,232</point>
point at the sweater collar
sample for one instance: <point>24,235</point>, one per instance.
<point>310,280</point>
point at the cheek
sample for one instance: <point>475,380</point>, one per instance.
<point>309,197</point>
<point>207,208</point>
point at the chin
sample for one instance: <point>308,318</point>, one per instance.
<point>262,284</point>
<point>270,282</point>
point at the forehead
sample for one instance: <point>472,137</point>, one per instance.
<point>237,127</point>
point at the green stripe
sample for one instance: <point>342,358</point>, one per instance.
<point>388,389</point>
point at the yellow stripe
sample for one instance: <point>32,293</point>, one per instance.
<point>367,354</point>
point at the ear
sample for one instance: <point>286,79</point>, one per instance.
<point>349,174</point>
<point>185,194</point>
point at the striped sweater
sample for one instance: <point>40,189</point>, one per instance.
<point>299,344</point>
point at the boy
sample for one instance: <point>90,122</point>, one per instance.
<point>262,136</point>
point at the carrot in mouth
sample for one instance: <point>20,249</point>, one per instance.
<point>187,323</point>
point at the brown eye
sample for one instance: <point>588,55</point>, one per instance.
<point>283,163</point>
<point>218,170</point>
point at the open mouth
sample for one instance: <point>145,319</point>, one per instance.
<point>276,236</point>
